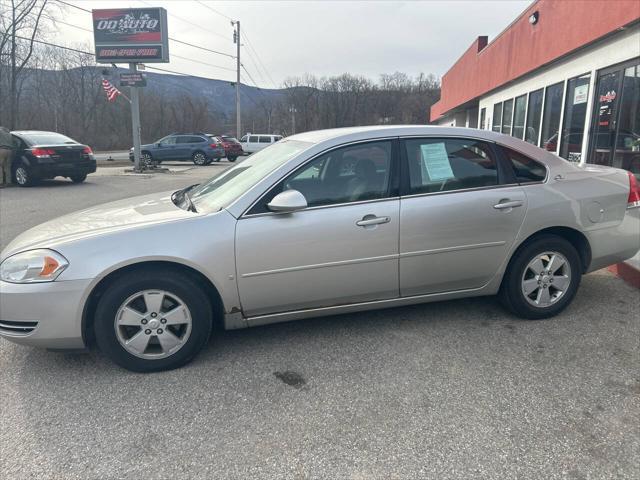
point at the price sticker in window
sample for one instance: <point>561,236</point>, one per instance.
<point>435,162</point>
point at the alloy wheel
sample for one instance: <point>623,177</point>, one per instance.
<point>199,159</point>
<point>22,176</point>
<point>545,279</point>
<point>153,324</point>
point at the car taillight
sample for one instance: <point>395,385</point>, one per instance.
<point>87,150</point>
<point>215,145</point>
<point>42,152</point>
<point>634,191</point>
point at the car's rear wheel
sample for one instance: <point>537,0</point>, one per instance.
<point>23,177</point>
<point>542,278</point>
<point>150,321</point>
<point>199,158</point>
<point>232,159</point>
<point>78,178</point>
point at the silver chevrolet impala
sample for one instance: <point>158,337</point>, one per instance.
<point>320,223</point>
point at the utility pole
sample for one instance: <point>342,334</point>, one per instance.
<point>293,111</point>
<point>135,121</point>
<point>236,39</point>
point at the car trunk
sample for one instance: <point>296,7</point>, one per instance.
<point>64,154</point>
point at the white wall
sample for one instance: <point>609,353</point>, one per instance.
<point>617,48</point>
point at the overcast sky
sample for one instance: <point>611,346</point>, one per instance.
<point>318,37</point>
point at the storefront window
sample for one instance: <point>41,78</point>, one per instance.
<point>483,113</point>
<point>616,122</point>
<point>627,153</point>
<point>551,120</point>
<point>507,113</point>
<point>497,117</point>
<point>575,111</point>
<point>518,116</point>
<point>534,113</point>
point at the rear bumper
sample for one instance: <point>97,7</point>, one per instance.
<point>614,245</point>
<point>83,167</point>
<point>43,314</point>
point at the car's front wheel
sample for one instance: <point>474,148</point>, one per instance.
<point>199,158</point>
<point>153,320</point>
<point>542,278</point>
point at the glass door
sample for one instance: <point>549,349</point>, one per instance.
<point>616,122</point>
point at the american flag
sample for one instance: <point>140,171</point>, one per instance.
<point>111,91</point>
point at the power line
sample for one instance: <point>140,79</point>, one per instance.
<point>203,63</point>
<point>214,10</point>
<point>250,45</point>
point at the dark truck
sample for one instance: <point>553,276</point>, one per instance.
<point>43,155</point>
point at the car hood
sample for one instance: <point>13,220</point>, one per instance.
<point>122,214</point>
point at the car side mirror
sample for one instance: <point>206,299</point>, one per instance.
<point>288,201</point>
<point>158,144</point>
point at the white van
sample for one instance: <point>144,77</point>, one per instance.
<point>252,142</point>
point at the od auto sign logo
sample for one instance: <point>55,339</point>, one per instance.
<point>131,35</point>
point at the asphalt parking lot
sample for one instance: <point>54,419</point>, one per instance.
<point>447,390</point>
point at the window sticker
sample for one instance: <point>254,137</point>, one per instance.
<point>435,162</point>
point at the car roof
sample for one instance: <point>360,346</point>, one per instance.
<point>27,132</point>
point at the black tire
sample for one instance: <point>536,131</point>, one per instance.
<point>232,159</point>
<point>175,283</point>
<point>78,178</point>
<point>208,162</point>
<point>511,292</point>
<point>23,177</point>
<point>199,158</point>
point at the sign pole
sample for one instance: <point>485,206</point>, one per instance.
<point>135,122</point>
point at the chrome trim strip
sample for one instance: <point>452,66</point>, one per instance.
<point>451,249</point>
<point>319,207</point>
<point>462,190</point>
<point>321,265</point>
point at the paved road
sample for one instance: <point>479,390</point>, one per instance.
<point>448,390</point>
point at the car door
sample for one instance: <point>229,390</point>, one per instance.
<point>341,249</point>
<point>253,143</point>
<point>461,211</point>
<point>165,149</point>
<point>184,147</point>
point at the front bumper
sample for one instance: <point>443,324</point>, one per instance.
<point>43,314</point>
<point>215,153</point>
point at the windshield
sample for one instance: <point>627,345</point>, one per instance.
<point>46,138</point>
<point>221,191</point>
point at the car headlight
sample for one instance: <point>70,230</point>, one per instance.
<point>33,266</point>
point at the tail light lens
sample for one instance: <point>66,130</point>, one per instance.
<point>634,191</point>
<point>87,150</point>
<point>42,152</point>
<point>215,145</point>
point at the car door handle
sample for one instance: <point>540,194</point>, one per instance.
<point>372,220</point>
<point>503,205</point>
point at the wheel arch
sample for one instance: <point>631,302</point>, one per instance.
<point>99,288</point>
<point>573,236</point>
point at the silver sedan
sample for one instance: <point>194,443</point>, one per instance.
<point>320,223</point>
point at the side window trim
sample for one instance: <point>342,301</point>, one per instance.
<point>393,187</point>
<point>506,178</point>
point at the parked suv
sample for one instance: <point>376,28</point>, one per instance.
<point>232,147</point>
<point>254,142</point>
<point>197,147</point>
<point>43,155</point>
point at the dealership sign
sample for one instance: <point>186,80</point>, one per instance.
<point>131,35</point>
<point>135,79</point>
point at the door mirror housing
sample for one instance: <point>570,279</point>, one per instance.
<point>288,201</point>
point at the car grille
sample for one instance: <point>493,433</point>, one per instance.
<point>17,328</point>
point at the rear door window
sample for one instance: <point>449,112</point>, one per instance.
<point>447,164</point>
<point>265,139</point>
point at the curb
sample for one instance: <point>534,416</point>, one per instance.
<point>626,272</point>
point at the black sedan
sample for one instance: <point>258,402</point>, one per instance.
<point>43,155</point>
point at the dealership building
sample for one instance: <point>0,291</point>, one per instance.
<point>564,75</point>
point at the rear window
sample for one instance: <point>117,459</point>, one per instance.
<point>525,169</point>
<point>46,138</point>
